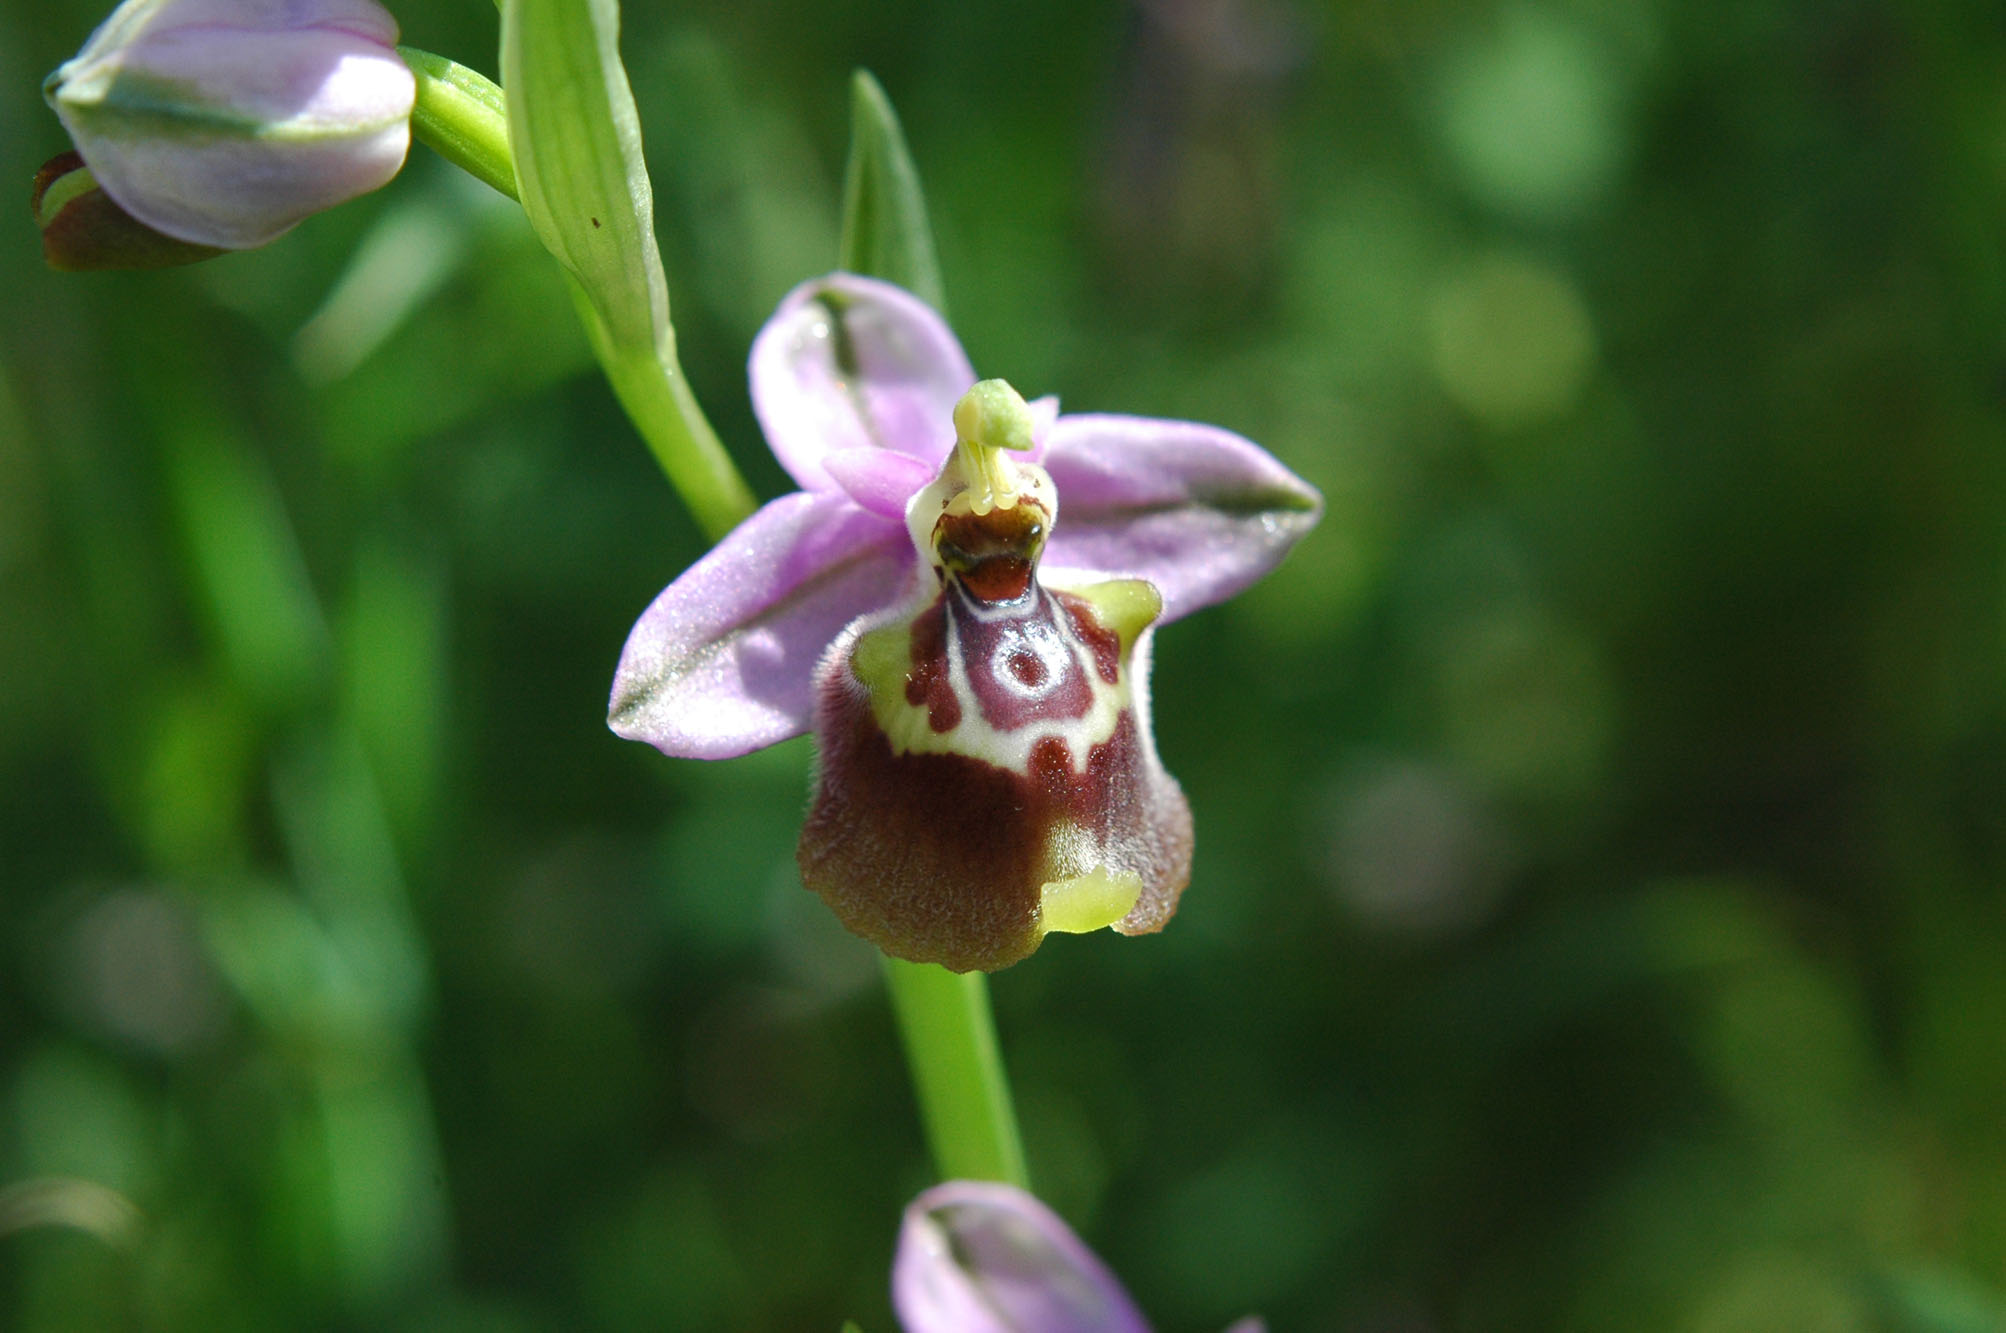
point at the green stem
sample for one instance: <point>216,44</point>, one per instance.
<point>949,1032</point>
<point>650,384</point>
<point>957,1071</point>
<point>950,1035</point>
<point>461,115</point>
<point>576,136</point>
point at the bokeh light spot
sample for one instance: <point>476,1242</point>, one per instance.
<point>1530,116</point>
<point>1511,341</point>
<point>1409,849</point>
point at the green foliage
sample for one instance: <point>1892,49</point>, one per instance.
<point>885,231</point>
<point>577,144</point>
<point>1596,918</point>
<point>576,140</point>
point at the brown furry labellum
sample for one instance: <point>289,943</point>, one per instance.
<point>986,771</point>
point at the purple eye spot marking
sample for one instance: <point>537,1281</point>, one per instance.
<point>1020,661</point>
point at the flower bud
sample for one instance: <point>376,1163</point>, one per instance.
<point>979,1257</point>
<point>225,122</point>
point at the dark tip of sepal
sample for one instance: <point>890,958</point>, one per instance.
<point>83,230</point>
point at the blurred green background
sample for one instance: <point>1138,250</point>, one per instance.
<point>1596,919</point>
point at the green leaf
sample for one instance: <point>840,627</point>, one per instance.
<point>885,231</point>
<point>577,143</point>
<point>582,180</point>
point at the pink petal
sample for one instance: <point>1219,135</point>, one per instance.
<point>721,664</point>
<point>878,479</point>
<point>1198,511</point>
<point>1044,414</point>
<point>852,363</point>
<point>882,480</point>
<point>976,1257</point>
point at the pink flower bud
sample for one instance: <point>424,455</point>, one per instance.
<point>225,122</point>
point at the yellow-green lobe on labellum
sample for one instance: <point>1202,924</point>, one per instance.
<point>986,770</point>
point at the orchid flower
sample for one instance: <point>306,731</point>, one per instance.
<point>978,1257</point>
<point>974,665</point>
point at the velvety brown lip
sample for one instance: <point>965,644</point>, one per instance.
<point>941,858</point>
